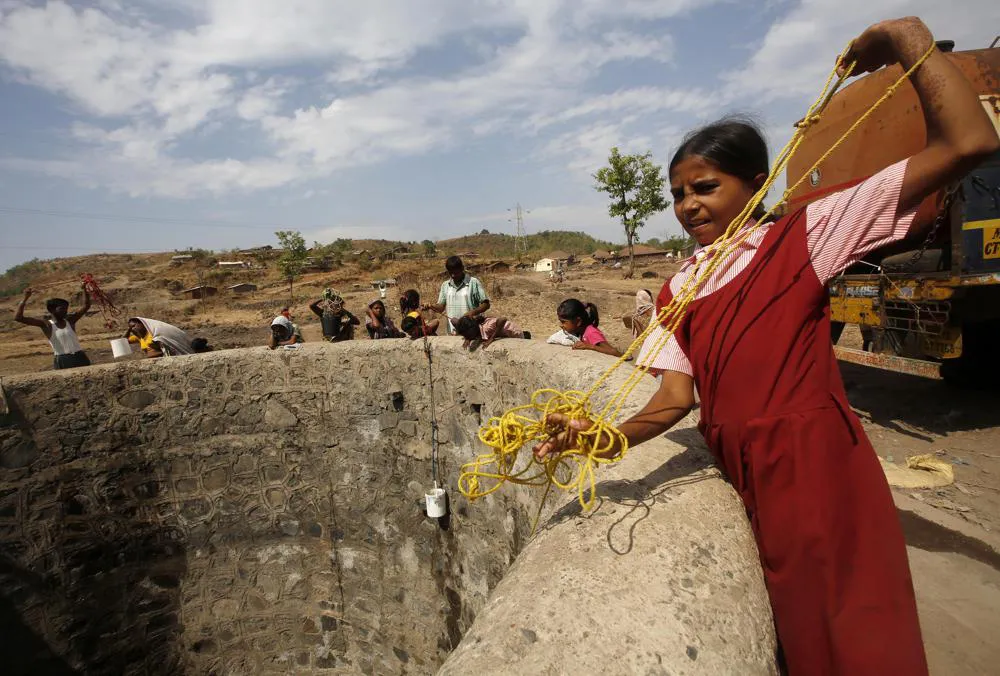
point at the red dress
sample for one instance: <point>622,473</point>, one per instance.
<point>775,415</point>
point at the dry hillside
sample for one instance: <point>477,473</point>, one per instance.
<point>149,285</point>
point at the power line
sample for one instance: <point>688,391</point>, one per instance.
<point>95,249</point>
<point>167,220</point>
<point>139,219</point>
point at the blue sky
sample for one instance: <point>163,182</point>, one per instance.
<point>153,125</point>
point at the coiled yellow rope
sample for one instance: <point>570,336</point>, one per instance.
<point>574,467</point>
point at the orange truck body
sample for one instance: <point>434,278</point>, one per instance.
<point>924,311</point>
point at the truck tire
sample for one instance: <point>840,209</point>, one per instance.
<point>977,367</point>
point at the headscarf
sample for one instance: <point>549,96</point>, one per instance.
<point>282,320</point>
<point>643,301</point>
<point>171,339</point>
<point>643,305</point>
<point>286,324</point>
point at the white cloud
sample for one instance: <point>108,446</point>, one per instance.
<point>104,66</point>
<point>586,149</point>
<point>639,9</point>
<point>260,101</point>
<point>132,143</point>
<point>148,79</point>
<point>166,177</point>
<point>799,50</point>
<point>269,32</point>
<point>635,101</point>
<point>417,115</point>
<point>195,98</point>
<point>143,84</point>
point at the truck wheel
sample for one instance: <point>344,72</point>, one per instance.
<point>977,367</point>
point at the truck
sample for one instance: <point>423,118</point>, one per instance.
<point>930,304</point>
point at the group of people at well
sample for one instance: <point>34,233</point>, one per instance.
<point>462,309</point>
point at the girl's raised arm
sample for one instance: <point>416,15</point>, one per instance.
<point>959,133</point>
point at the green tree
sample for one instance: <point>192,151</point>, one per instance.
<point>293,255</point>
<point>430,248</point>
<point>677,243</point>
<point>635,189</point>
<point>18,278</point>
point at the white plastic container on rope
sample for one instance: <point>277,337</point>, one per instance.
<point>120,347</point>
<point>436,503</point>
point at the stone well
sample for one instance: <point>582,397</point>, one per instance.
<point>249,511</point>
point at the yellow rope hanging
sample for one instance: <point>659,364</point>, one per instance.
<point>574,467</point>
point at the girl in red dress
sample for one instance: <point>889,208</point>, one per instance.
<point>756,342</point>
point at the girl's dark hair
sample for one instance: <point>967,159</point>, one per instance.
<point>409,301</point>
<point>201,344</point>
<point>571,308</point>
<point>409,325</point>
<point>734,144</point>
<point>468,328</point>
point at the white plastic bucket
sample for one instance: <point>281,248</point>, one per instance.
<point>436,501</point>
<point>120,347</point>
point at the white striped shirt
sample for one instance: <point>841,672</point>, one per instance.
<point>840,229</point>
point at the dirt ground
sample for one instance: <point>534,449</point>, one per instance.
<point>958,588</point>
<point>957,581</point>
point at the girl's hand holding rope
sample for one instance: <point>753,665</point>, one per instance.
<point>884,44</point>
<point>564,436</point>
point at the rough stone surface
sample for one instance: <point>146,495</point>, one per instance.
<point>255,512</point>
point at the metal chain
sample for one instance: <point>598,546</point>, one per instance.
<point>942,216</point>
